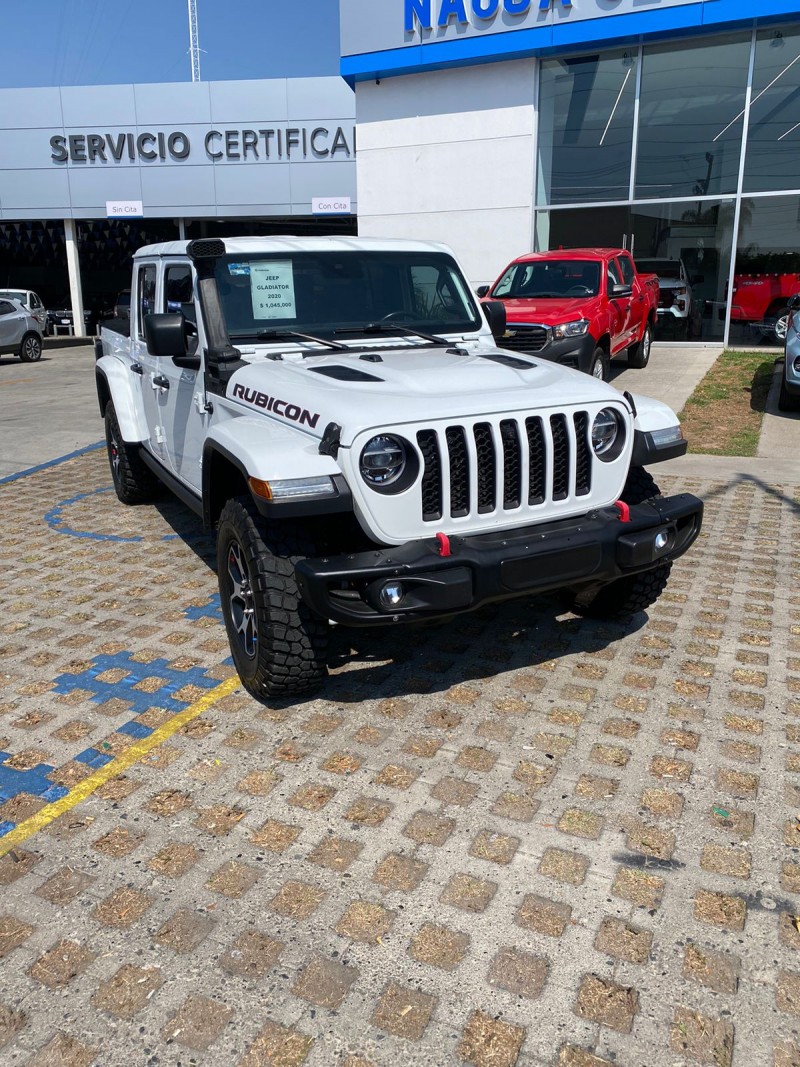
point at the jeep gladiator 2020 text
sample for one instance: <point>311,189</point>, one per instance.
<point>578,306</point>
<point>339,410</point>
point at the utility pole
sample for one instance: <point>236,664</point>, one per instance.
<point>194,43</point>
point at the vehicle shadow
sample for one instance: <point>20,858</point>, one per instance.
<point>11,360</point>
<point>415,658</point>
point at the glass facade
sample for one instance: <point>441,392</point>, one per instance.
<point>586,117</point>
<point>688,155</point>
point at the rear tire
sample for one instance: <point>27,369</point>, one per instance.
<point>635,592</point>
<point>639,354</point>
<point>279,646</point>
<point>30,351</point>
<point>134,483</point>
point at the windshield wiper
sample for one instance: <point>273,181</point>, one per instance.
<point>278,335</point>
<point>394,327</point>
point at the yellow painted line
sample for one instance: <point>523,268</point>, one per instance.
<point>117,766</point>
<point>16,381</point>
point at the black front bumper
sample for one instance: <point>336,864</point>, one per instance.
<point>572,553</point>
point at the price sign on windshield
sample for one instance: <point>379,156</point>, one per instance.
<point>272,290</point>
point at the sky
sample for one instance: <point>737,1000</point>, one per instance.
<point>97,42</point>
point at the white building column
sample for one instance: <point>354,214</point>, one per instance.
<point>74,272</point>
<point>181,229</point>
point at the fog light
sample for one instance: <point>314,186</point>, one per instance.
<point>662,540</point>
<point>391,594</point>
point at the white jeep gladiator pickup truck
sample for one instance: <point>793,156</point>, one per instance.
<point>341,411</point>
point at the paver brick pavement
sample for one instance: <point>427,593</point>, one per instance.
<point>521,838</point>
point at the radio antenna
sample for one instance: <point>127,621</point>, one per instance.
<point>194,42</point>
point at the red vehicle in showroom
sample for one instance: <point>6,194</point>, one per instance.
<point>578,306</point>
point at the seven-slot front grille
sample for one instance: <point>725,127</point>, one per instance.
<point>487,467</point>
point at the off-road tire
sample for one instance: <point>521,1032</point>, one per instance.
<point>599,358</point>
<point>30,350</point>
<point>134,483</point>
<point>639,354</point>
<point>289,654</point>
<point>787,402</point>
<point>635,592</point>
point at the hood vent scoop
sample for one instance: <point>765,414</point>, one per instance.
<point>345,374</point>
<point>508,361</point>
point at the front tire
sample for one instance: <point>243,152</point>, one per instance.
<point>598,368</point>
<point>639,354</point>
<point>134,483</point>
<point>279,646</point>
<point>30,351</point>
<point>635,592</point>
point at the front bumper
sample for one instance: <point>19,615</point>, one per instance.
<point>574,352</point>
<point>592,550</point>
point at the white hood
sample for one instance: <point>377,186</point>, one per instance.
<point>413,382</point>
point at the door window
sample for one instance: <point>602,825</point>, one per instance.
<point>614,275</point>
<point>628,273</point>
<point>146,290</point>
<point>6,308</point>
<point>179,297</point>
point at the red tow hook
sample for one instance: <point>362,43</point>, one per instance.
<point>444,544</point>
<point>624,511</point>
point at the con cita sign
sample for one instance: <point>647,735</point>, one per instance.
<point>421,12</point>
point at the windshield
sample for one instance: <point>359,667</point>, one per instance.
<point>14,294</point>
<point>549,278</point>
<point>664,268</point>
<point>320,293</point>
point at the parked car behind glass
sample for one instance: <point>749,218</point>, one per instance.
<point>789,399</point>
<point>61,315</point>
<point>676,302</point>
<point>32,303</point>
<point>19,331</point>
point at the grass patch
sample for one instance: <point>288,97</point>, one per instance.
<point>723,416</point>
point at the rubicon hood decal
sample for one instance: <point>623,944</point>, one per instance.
<point>280,407</point>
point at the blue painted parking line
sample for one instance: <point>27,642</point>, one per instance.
<point>56,521</point>
<point>124,675</point>
<point>211,610</point>
<point>52,462</point>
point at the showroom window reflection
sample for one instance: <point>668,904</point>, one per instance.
<point>586,127</point>
<point>773,143</point>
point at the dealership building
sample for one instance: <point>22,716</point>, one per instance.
<point>90,174</point>
<point>668,127</point>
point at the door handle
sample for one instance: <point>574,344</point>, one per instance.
<point>160,382</point>
<point>136,368</point>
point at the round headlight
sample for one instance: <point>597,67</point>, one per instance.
<point>383,460</point>
<point>605,431</point>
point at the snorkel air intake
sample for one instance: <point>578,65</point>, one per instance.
<point>204,253</point>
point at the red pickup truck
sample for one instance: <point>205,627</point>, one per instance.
<point>763,299</point>
<point>578,306</point>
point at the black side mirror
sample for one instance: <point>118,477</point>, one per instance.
<point>495,312</point>
<point>165,334</point>
<point>619,291</point>
<point>794,302</point>
<point>482,290</point>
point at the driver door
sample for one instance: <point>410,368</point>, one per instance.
<point>155,386</point>
<point>186,417</point>
<point>619,310</point>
